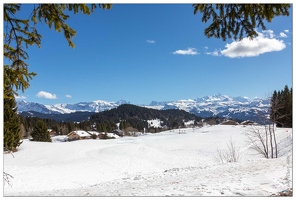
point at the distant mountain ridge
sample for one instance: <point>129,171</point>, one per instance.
<point>215,105</point>
<point>222,106</point>
<point>94,106</point>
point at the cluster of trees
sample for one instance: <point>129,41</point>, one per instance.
<point>62,128</point>
<point>281,107</point>
<point>107,126</point>
<point>136,124</point>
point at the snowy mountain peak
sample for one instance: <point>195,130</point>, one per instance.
<point>122,102</point>
<point>101,102</point>
<point>217,97</point>
<point>240,99</point>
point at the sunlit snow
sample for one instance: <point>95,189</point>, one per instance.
<point>161,164</point>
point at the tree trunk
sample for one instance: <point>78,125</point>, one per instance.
<point>266,141</point>
<point>271,145</point>
<point>274,139</point>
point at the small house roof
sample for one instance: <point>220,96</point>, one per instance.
<point>81,133</point>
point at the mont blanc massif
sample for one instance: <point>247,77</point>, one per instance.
<point>216,105</point>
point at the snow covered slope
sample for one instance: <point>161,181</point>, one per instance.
<point>163,164</point>
<point>31,106</point>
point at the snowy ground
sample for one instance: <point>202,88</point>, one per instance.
<point>162,164</point>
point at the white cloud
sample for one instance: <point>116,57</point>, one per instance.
<point>20,97</point>
<point>68,96</point>
<point>150,41</point>
<point>249,48</point>
<point>283,34</point>
<point>206,47</point>
<point>287,31</point>
<point>268,33</point>
<point>189,51</point>
<point>46,95</point>
<point>214,53</point>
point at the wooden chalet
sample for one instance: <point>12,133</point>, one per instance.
<point>78,135</point>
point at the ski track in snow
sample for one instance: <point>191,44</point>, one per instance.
<point>162,164</point>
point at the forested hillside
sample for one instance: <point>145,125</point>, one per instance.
<point>136,117</point>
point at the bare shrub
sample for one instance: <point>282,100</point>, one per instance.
<point>7,177</point>
<point>262,140</point>
<point>231,154</point>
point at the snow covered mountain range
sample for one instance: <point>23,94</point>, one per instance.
<point>94,106</point>
<point>216,105</point>
<point>220,105</point>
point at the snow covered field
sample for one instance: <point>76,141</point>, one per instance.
<point>162,164</point>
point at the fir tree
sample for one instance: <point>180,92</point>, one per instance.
<point>234,21</point>
<point>281,107</point>
<point>11,124</point>
<point>40,133</point>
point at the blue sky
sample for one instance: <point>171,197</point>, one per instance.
<point>147,52</point>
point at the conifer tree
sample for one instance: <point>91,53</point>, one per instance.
<point>281,107</point>
<point>11,119</point>
<point>11,124</point>
<point>40,133</point>
<point>237,20</point>
<point>273,104</point>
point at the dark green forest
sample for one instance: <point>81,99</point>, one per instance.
<point>136,117</point>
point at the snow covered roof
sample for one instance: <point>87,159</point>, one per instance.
<point>112,135</point>
<point>81,133</point>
